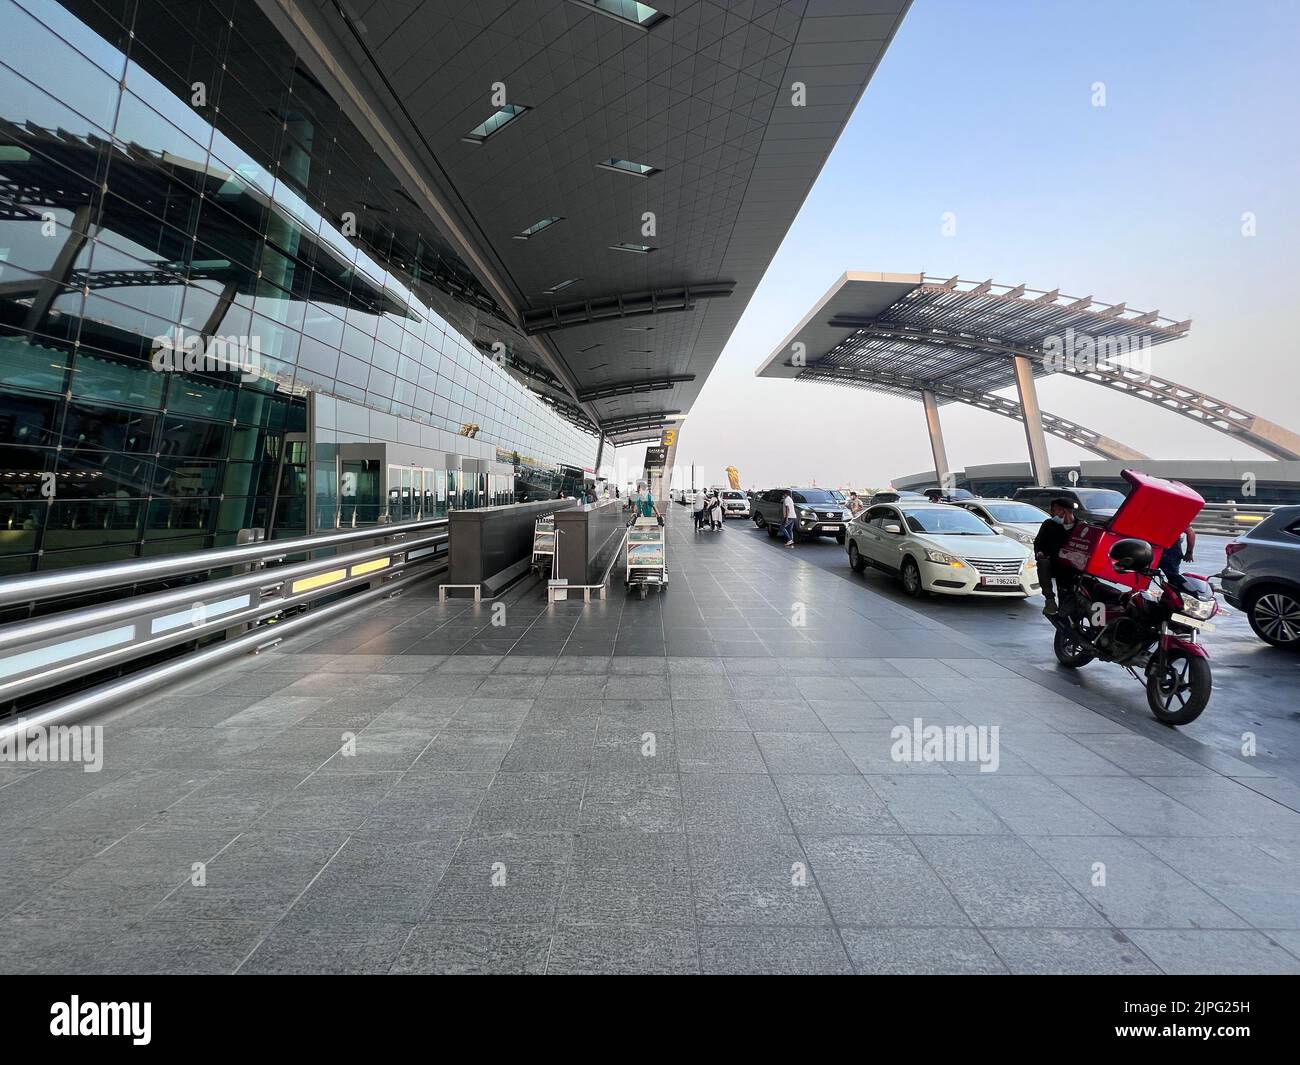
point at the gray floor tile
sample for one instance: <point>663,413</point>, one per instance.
<point>785,951</point>
<point>1048,952</point>
<point>881,881</point>
<point>920,951</point>
<point>474,948</point>
<point>746,880</point>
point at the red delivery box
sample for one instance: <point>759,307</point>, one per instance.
<point>1155,510</point>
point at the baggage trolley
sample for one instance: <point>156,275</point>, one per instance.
<point>544,545</point>
<point>646,562</point>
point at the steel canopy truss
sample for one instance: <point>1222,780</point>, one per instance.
<point>911,388</point>
<point>631,388</point>
<point>624,305</point>
<point>978,360</point>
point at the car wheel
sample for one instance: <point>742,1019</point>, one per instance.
<point>855,558</point>
<point>758,521</point>
<point>912,579</point>
<point>1274,614</point>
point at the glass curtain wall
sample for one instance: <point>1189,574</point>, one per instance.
<point>192,239</point>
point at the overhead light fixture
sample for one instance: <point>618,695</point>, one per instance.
<point>626,166</point>
<point>642,16</point>
<point>639,249</point>
<point>639,328</point>
<point>537,227</point>
<point>561,285</point>
<point>494,123</point>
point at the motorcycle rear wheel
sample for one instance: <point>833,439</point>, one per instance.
<point>1070,653</point>
<point>1178,693</point>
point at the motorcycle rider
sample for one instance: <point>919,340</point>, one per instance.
<point>1173,557</point>
<point>1052,536</point>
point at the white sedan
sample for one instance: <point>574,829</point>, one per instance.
<point>936,547</point>
<point>1020,521</point>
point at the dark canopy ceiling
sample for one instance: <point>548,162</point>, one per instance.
<point>704,96</point>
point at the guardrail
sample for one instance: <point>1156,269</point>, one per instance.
<point>601,589</point>
<point>1230,519</point>
<point>49,651</point>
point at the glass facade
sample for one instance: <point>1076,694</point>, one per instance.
<point>193,239</point>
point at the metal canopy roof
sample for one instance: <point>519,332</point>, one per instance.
<point>704,96</point>
<point>897,333</point>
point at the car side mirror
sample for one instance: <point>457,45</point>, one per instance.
<point>894,528</point>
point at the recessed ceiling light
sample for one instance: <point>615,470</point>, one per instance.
<point>639,328</point>
<point>561,285</point>
<point>626,166</point>
<point>639,249</point>
<point>643,16</point>
<point>494,123</point>
<point>538,226</point>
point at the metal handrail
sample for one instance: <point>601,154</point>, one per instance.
<point>188,625</point>
<point>46,653</point>
<point>36,587</point>
<point>94,700</point>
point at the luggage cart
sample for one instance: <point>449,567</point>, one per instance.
<point>544,545</point>
<point>646,562</point>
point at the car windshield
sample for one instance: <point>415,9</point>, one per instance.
<point>1014,512</point>
<point>1099,498</point>
<point>839,497</point>
<point>733,495</point>
<point>816,496</point>
<point>946,521</point>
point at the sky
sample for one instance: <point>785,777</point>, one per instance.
<point>986,110</point>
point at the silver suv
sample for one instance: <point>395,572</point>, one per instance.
<point>1263,577</point>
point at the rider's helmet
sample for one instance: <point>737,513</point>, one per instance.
<point>1130,555</point>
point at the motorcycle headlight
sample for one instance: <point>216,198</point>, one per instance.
<point>1197,608</point>
<point>945,559</point>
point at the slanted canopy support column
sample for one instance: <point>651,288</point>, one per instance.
<point>941,467</point>
<point>1037,440</point>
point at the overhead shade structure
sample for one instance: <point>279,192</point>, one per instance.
<point>968,341</point>
<point>617,176</point>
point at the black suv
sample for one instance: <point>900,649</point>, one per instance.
<point>819,513</point>
<point>1096,506</point>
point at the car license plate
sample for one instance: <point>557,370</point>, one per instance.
<point>1001,582</point>
<point>1192,623</point>
<point>833,526</point>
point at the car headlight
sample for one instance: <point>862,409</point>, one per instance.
<point>1019,536</point>
<point>1197,608</point>
<point>945,559</point>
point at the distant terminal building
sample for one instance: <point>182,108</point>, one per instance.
<point>1265,482</point>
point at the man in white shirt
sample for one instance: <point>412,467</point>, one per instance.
<point>697,506</point>
<point>790,517</point>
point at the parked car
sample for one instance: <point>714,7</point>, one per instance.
<point>818,513</point>
<point>888,495</point>
<point>1093,505</point>
<point>1262,577</point>
<point>1010,517</point>
<point>734,504</point>
<point>941,548</point>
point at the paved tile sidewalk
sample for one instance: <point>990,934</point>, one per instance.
<point>705,781</point>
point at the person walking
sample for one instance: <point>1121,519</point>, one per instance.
<point>645,503</point>
<point>856,506</point>
<point>790,518</point>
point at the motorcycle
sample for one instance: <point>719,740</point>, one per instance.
<point>1153,633</point>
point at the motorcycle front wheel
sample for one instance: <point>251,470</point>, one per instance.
<point>1069,652</point>
<point>1179,689</point>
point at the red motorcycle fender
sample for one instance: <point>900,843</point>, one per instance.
<point>1177,643</point>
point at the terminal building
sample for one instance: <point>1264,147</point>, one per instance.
<point>296,266</point>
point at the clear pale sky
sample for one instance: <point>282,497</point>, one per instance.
<point>985,110</point>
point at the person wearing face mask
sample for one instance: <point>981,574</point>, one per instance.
<point>1052,535</point>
